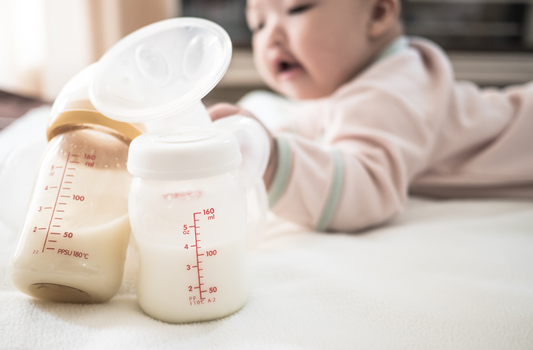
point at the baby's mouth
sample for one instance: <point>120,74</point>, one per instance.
<point>286,67</point>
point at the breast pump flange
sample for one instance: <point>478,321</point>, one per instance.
<point>187,201</point>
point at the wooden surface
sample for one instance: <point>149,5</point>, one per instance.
<point>13,106</point>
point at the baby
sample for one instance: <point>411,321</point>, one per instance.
<point>385,116</point>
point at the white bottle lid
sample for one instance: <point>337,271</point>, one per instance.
<point>160,70</point>
<point>184,154</point>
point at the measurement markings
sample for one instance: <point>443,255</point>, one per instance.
<point>51,248</point>
<point>71,175</point>
<point>66,188</point>
<point>60,211</point>
<point>58,218</point>
<point>51,240</point>
<point>47,207</point>
<point>75,162</point>
<point>59,167</point>
<point>71,168</point>
<point>55,204</point>
<point>56,225</point>
<point>63,203</point>
<point>198,262</point>
<point>65,196</point>
<point>55,233</point>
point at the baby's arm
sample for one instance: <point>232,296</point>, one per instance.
<point>359,176</point>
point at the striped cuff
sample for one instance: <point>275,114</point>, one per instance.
<point>282,173</point>
<point>334,193</point>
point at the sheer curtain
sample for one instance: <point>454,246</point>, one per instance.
<point>43,43</point>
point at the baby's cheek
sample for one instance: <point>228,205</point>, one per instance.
<point>262,67</point>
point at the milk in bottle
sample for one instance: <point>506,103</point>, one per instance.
<point>72,247</point>
<point>187,208</point>
<point>187,202</point>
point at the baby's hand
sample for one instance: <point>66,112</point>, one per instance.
<point>222,110</point>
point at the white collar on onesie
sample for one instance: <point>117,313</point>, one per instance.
<point>396,46</point>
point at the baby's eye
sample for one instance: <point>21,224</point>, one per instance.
<point>257,28</point>
<point>299,9</point>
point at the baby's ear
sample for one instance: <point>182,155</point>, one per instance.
<point>384,14</point>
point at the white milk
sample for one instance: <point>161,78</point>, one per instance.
<point>170,221</point>
<point>77,228</point>
<point>94,263</point>
<point>167,282</point>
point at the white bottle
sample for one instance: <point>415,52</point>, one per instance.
<point>187,208</point>
<point>187,169</point>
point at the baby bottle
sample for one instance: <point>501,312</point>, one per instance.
<point>72,247</point>
<point>187,207</point>
<point>188,199</point>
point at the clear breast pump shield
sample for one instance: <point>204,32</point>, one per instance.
<point>188,199</point>
<point>158,75</point>
<point>73,243</point>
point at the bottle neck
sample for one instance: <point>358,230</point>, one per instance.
<point>84,119</point>
<point>63,129</point>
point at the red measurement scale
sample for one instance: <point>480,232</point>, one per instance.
<point>209,214</point>
<point>54,231</point>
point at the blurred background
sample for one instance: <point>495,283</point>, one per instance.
<point>43,43</point>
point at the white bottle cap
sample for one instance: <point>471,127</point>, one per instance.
<point>184,154</point>
<point>160,70</point>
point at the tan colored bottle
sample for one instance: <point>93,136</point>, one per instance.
<point>72,247</point>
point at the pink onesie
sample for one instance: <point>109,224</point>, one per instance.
<point>402,126</point>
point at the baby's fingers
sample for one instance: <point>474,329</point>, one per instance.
<point>222,110</point>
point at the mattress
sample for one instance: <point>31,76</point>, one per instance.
<point>454,274</point>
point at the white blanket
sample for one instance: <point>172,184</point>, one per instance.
<point>442,275</point>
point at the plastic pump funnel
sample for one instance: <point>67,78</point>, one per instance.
<point>158,74</point>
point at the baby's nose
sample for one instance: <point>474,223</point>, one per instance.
<point>276,34</point>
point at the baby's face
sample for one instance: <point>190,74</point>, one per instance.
<point>306,49</point>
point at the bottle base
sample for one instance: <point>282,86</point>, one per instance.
<point>58,292</point>
<point>185,317</point>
